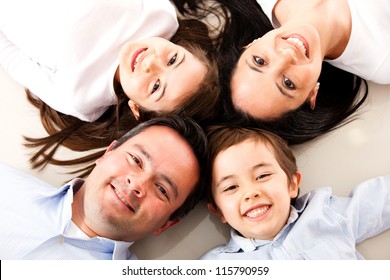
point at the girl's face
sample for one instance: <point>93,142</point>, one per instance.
<point>251,190</point>
<point>278,72</point>
<point>157,74</point>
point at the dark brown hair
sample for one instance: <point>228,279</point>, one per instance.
<point>77,135</point>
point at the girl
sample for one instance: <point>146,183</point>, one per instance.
<point>96,70</point>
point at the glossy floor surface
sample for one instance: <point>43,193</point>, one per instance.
<point>341,159</point>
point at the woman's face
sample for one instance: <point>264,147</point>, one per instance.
<point>278,72</point>
<point>158,75</point>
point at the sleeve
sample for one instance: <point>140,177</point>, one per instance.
<point>368,210</point>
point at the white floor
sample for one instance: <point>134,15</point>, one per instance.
<point>341,159</point>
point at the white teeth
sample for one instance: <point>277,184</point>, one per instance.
<point>257,212</point>
<point>137,58</point>
<point>298,42</point>
<point>122,199</point>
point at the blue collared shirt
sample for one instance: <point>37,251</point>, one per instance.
<point>321,226</point>
<point>35,218</point>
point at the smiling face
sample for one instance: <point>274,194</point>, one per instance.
<point>158,75</point>
<point>278,72</point>
<point>251,190</point>
<point>135,188</point>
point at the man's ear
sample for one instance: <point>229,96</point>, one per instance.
<point>166,226</point>
<point>109,149</point>
<point>313,96</point>
<point>216,212</point>
<point>294,185</point>
<point>135,109</point>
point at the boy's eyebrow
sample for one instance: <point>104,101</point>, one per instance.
<point>149,158</point>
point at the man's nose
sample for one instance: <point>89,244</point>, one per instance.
<point>138,185</point>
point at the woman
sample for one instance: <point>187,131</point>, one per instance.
<point>89,63</point>
<point>277,78</point>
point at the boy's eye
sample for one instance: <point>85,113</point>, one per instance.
<point>156,86</point>
<point>262,176</point>
<point>259,61</point>
<point>172,60</point>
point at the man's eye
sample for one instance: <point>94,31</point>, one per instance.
<point>288,83</point>
<point>258,60</point>
<point>163,191</point>
<point>156,86</point>
<point>136,160</point>
<point>172,60</point>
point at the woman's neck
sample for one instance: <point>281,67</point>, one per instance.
<point>331,19</point>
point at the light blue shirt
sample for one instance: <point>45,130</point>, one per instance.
<point>321,226</point>
<point>35,218</point>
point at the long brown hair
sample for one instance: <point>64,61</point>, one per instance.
<point>77,135</point>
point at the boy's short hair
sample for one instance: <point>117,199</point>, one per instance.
<point>221,137</point>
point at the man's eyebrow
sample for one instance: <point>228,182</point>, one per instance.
<point>175,66</point>
<point>149,158</point>
<point>282,91</point>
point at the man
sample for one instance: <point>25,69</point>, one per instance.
<point>145,183</point>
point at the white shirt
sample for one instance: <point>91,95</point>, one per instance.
<point>66,52</point>
<point>367,54</point>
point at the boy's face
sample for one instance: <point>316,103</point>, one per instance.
<point>251,190</point>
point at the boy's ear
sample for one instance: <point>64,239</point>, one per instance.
<point>216,212</point>
<point>166,226</point>
<point>294,185</point>
<point>109,149</point>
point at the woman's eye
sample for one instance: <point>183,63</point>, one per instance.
<point>156,86</point>
<point>288,83</point>
<point>230,188</point>
<point>172,60</point>
<point>258,60</point>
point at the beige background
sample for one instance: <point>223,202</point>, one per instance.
<point>341,159</point>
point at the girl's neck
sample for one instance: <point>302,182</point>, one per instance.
<point>331,18</point>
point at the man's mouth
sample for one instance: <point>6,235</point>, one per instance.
<point>123,200</point>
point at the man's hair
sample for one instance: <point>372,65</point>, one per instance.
<point>221,137</point>
<point>194,135</point>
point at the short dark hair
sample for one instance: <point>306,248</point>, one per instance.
<point>194,135</point>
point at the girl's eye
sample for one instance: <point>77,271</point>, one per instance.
<point>288,83</point>
<point>156,86</point>
<point>172,60</point>
<point>259,61</point>
<point>230,188</point>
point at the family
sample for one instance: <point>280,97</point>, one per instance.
<point>175,109</point>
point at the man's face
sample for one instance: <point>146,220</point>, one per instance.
<point>136,187</point>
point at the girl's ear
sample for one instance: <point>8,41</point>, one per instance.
<point>216,212</point>
<point>135,109</point>
<point>294,185</point>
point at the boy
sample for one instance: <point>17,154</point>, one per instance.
<point>254,181</point>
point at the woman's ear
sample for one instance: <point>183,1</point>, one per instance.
<point>216,212</point>
<point>135,109</point>
<point>313,96</point>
